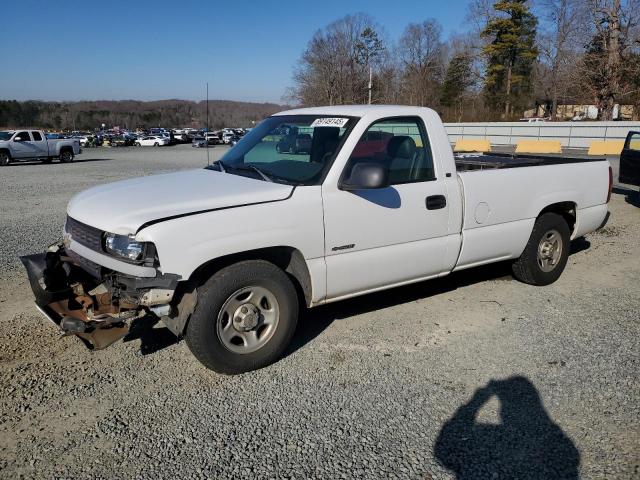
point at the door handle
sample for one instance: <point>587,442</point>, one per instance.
<point>436,202</point>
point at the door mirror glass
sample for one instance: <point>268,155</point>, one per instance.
<point>366,176</point>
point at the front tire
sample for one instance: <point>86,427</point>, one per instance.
<point>5,159</point>
<point>245,317</point>
<point>156,144</point>
<point>546,254</point>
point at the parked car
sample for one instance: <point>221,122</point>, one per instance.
<point>21,145</point>
<point>212,138</point>
<point>630,160</point>
<point>224,256</point>
<point>199,142</point>
<point>152,141</point>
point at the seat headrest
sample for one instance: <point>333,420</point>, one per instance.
<point>401,146</point>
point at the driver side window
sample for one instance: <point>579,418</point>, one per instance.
<point>24,136</point>
<point>401,145</point>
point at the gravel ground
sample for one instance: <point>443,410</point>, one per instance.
<point>472,376</point>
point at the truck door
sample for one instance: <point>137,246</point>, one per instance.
<point>40,144</point>
<point>375,238</point>
<point>22,146</point>
<point>630,160</point>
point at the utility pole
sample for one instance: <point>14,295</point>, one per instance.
<point>206,140</point>
<point>370,82</point>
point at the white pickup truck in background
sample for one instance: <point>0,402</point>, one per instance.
<point>23,145</point>
<point>227,255</point>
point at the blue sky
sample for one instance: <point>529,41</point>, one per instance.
<point>75,50</point>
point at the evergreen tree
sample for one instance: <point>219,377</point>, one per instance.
<point>458,78</point>
<point>510,55</point>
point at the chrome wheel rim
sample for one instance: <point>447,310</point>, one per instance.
<point>549,250</point>
<point>248,319</point>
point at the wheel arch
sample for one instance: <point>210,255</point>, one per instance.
<point>567,210</point>
<point>287,258</point>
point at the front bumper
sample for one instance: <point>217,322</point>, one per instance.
<point>96,307</point>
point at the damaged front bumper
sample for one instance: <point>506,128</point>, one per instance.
<point>99,307</point>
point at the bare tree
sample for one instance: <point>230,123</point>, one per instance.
<point>560,45</point>
<point>614,25</point>
<point>423,57</point>
<point>334,68</point>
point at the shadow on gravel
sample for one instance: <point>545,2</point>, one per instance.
<point>525,444</point>
<point>631,196</point>
<point>314,321</point>
<point>151,339</point>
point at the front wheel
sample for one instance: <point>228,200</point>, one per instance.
<point>245,317</point>
<point>66,156</point>
<point>546,253</point>
<point>156,144</point>
<point>5,159</point>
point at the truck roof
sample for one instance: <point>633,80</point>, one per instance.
<point>359,110</point>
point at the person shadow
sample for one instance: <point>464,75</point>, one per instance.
<point>526,444</point>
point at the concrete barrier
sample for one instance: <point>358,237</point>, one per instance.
<point>569,134</point>
<point>539,146</point>
<point>472,145</point>
<point>606,147</point>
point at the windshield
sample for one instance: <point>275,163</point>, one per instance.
<point>294,149</point>
<point>5,135</point>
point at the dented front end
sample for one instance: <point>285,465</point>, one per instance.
<point>98,305</point>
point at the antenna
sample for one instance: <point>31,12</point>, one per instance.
<point>206,140</point>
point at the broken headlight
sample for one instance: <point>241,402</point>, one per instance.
<point>124,246</point>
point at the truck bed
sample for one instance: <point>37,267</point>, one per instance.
<point>483,161</point>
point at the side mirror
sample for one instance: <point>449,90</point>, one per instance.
<point>17,139</point>
<point>366,176</point>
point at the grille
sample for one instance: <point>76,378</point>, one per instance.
<point>90,237</point>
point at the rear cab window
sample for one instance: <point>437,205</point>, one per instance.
<point>36,136</point>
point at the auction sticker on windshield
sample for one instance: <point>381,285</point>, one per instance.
<point>330,122</point>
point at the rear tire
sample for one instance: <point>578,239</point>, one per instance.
<point>5,159</point>
<point>545,256</point>
<point>66,156</point>
<point>244,319</point>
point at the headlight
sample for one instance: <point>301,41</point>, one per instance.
<point>124,246</point>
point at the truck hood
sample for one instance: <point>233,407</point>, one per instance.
<point>123,207</point>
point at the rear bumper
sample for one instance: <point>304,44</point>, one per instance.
<point>98,310</point>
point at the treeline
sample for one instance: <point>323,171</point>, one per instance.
<point>131,114</point>
<point>517,55</point>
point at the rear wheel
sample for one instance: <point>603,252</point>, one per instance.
<point>66,156</point>
<point>5,159</point>
<point>546,253</point>
<point>245,317</point>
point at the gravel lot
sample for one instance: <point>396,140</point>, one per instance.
<point>473,376</point>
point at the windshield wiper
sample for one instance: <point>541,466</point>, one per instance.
<point>248,166</point>
<point>223,169</point>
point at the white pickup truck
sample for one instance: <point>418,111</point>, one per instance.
<point>22,145</point>
<point>227,255</point>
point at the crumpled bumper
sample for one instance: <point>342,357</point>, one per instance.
<point>96,310</point>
